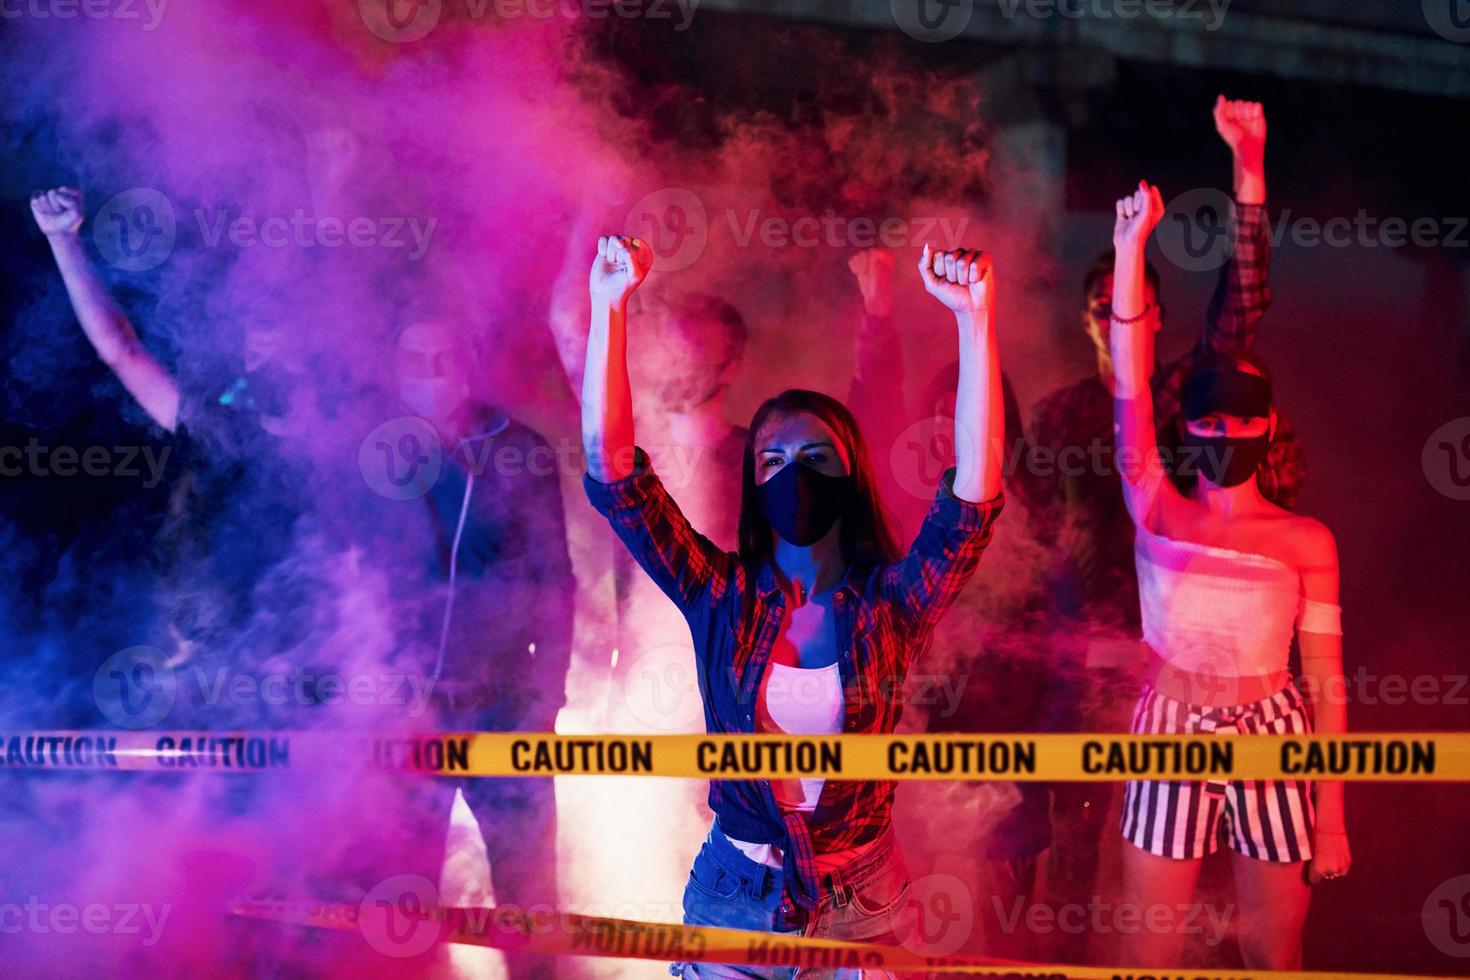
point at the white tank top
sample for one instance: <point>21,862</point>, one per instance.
<point>797,701</point>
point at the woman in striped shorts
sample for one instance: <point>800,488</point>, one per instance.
<point>1225,578</point>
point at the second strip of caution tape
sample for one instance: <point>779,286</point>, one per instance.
<point>401,931</point>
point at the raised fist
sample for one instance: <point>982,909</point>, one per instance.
<point>621,264</point>
<point>1242,125</point>
<point>1138,214</point>
<point>962,280</point>
<point>873,268</point>
<point>59,211</point>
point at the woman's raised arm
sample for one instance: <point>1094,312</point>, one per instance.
<point>607,397</point>
<point>59,215</point>
<point>964,281</point>
<point>1131,337</point>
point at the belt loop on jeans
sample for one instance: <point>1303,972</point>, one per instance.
<point>841,891</point>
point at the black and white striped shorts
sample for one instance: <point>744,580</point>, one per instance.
<point>1269,820</point>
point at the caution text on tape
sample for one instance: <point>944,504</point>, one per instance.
<point>1378,756</point>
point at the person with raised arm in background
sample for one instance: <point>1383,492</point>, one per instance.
<point>1227,579</point>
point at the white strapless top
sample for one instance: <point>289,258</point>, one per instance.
<point>1214,610</point>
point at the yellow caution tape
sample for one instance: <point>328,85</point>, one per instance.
<point>398,931</point>
<point>1418,756</point>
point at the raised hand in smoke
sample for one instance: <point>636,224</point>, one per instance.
<point>960,279</point>
<point>621,265</point>
<point>607,398</point>
<point>964,282</point>
<point>873,268</point>
<point>1242,125</point>
<point>59,215</point>
<point>58,211</point>
<point>1137,216</point>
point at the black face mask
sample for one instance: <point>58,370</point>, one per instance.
<point>1226,461</point>
<point>802,504</point>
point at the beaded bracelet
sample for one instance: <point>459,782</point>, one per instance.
<point>1131,319</point>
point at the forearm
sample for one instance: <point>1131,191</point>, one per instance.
<point>607,397</point>
<point>1132,343</point>
<point>112,335</point>
<point>979,427</point>
<point>108,330</point>
<point>879,358</point>
<point>1132,347</point>
<point>1242,293</point>
<point>1322,664</point>
<point>1248,172</point>
<point>567,315</point>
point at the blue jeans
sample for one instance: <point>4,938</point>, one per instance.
<point>867,901</point>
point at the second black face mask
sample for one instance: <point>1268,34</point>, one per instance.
<point>802,504</point>
<point>1224,461</point>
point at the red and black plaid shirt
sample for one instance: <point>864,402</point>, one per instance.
<point>885,617</point>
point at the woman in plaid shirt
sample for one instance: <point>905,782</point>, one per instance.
<point>810,627</point>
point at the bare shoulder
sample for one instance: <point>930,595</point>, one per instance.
<point>1311,541</point>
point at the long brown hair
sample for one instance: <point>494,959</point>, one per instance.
<point>866,537</point>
